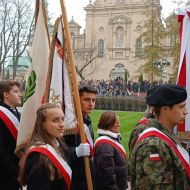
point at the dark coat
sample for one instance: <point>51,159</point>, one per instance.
<point>38,174</point>
<point>77,164</point>
<point>8,160</point>
<point>110,168</point>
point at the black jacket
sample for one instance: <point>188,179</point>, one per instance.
<point>77,164</point>
<point>110,167</point>
<point>38,174</point>
<point>8,160</point>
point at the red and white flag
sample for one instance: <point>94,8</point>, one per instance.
<point>183,77</point>
<point>36,81</point>
<point>60,91</point>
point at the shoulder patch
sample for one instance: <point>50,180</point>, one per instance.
<point>155,157</point>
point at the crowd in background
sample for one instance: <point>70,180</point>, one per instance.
<point>120,88</point>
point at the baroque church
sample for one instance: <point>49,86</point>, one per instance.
<point>111,41</point>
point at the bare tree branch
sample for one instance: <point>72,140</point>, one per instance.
<point>15,30</point>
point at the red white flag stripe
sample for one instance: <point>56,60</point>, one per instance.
<point>89,139</point>
<point>181,15</point>
<point>184,64</point>
<point>56,159</point>
<point>10,120</point>
<point>56,86</point>
<point>60,90</point>
<point>109,140</point>
<point>180,151</point>
<point>154,157</point>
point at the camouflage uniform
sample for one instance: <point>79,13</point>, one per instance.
<point>168,173</point>
<point>138,129</point>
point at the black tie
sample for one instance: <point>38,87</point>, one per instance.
<point>14,111</point>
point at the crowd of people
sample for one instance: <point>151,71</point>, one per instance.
<point>121,88</point>
<point>53,161</point>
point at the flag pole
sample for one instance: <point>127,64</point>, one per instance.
<point>46,91</point>
<point>50,64</point>
<point>72,70</point>
<point>36,11</point>
<point>45,19</point>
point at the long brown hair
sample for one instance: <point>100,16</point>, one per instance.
<point>39,136</point>
<point>107,120</point>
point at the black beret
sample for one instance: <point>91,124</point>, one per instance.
<point>151,90</point>
<point>165,95</point>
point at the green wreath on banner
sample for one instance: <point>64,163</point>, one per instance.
<point>30,87</point>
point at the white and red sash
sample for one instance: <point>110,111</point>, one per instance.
<point>89,139</point>
<point>10,120</point>
<point>180,151</point>
<point>56,159</point>
<point>111,141</point>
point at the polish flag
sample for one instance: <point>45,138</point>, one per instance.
<point>155,157</point>
<point>183,78</point>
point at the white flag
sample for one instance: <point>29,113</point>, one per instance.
<point>60,86</point>
<point>36,81</point>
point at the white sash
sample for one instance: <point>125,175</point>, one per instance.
<point>89,138</point>
<point>111,141</point>
<point>10,120</point>
<point>56,159</point>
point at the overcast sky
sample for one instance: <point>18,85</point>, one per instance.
<point>75,8</point>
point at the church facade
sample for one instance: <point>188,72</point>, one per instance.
<point>110,45</point>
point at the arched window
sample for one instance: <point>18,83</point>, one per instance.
<point>100,48</point>
<point>138,47</point>
<point>173,40</point>
<point>119,37</point>
<point>118,71</point>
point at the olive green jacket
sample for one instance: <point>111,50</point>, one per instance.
<point>168,173</point>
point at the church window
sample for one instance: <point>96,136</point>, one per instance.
<point>72,39</point>
<point>100,48</point>
<point>173,39</point>
<point>118,54</point>
<point>119,37</point>
<point>138,47</point>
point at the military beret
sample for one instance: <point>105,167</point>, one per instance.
<point>151,90</point>
<point>165,95</point>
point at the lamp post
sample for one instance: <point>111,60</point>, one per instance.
<point>160,64</point>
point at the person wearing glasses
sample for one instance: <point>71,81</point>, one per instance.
<point>77,149</point>
<point>10,97</point>
<point>110,160</point>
